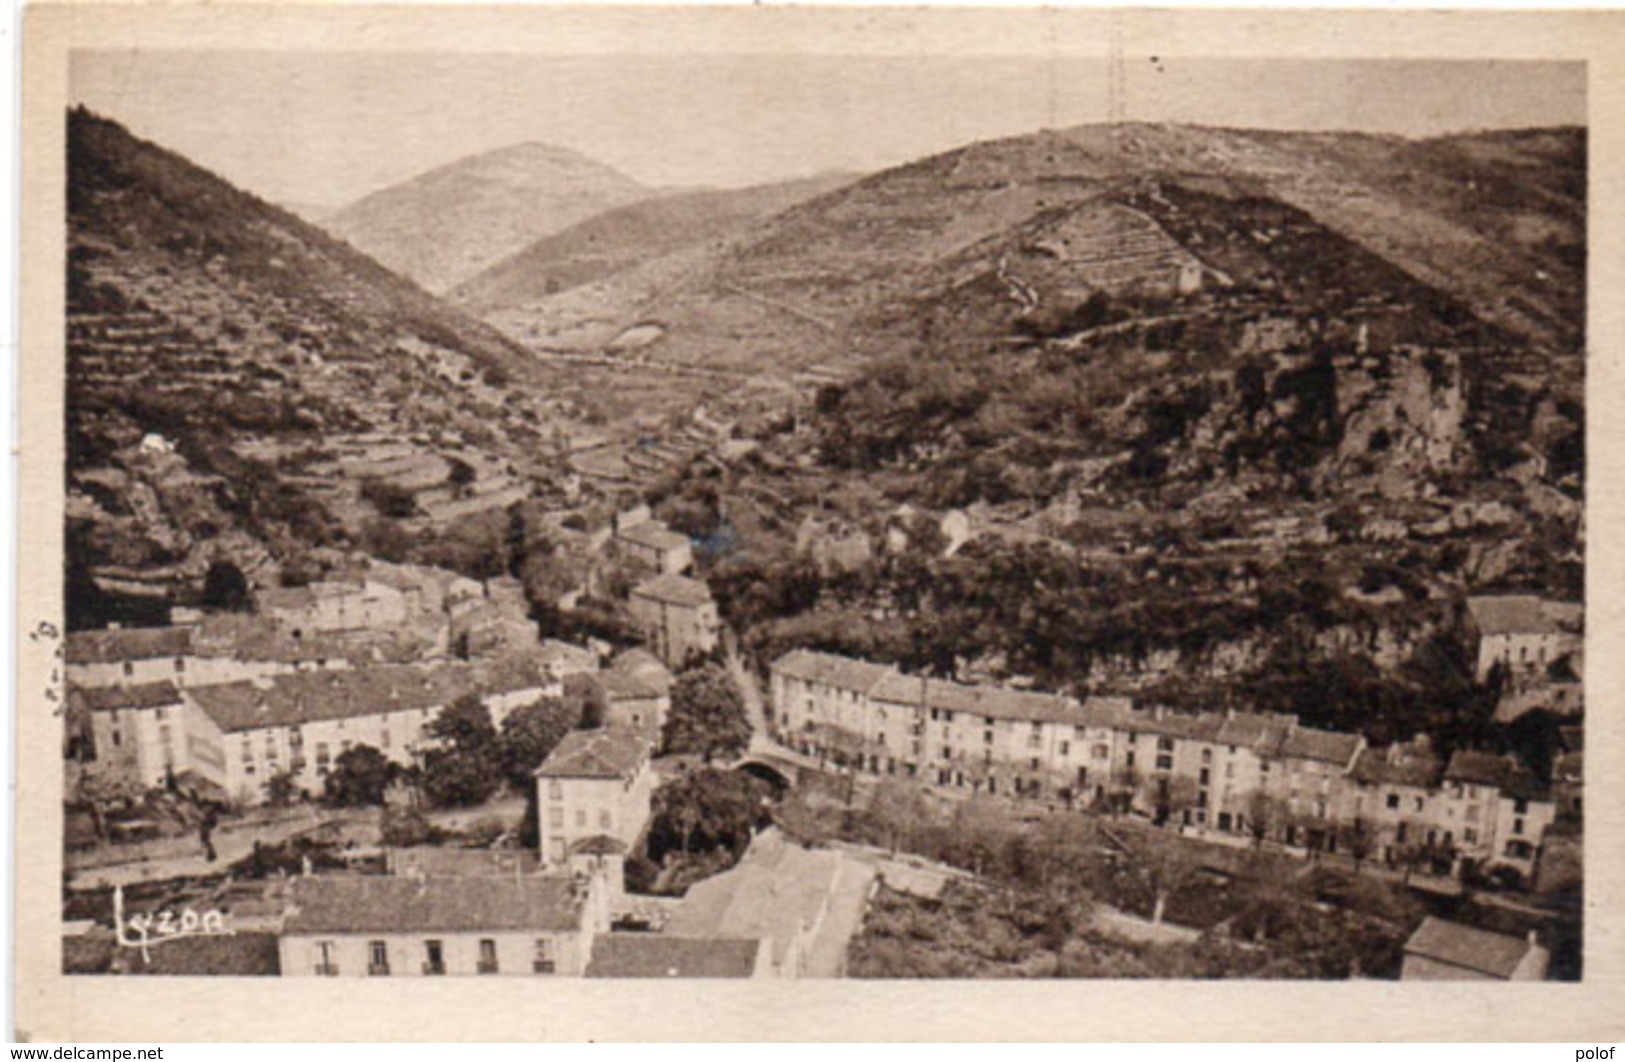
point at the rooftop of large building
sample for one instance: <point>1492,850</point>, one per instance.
<point>388,904</point>
<point>607,752</point>
<point>1477,950</point>
<point>830,669</point>
<point>1411,764</point>
<point>117,645</point>
<point>119,698</point>
<point>314,696</point>
<point>664,955</point>
<point>774,892</point>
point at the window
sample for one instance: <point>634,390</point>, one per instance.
<point>434,958</point>
<point>383,738</point>
<point>604,819</point>
<point>129,668</point>
<point>1128,760</point>
<point>1202,778</point>
<point>581,816</point>
<point>1165,761</point>
<point>248,751</point>
<point>1102,752</point>
<point>541,959</point>
<point>555,791</point>
<point>987,737</point>
<point>1393,801</point>
<point>488,956</point>
<point>1520,806</point>
<point>1165,744</point>
<point>1066,748</point>
<point>1229,770</point>
<point>1207,756</point>
<point>118,739</point>
<point>1418,803</point>
<point>1469,835</point>
<point>180,666</point>
<point>378,959</point>
<point>160,714</point>
<point>323,757</point>
<point>1517,825</point>
<point>164,736</point>
<point>555,818</point>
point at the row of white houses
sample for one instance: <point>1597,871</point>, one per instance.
<point>1244,774</point>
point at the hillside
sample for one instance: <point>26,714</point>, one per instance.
<point>1205,416</point>
<point>1495,221</point>
<point>243,341</point>
<point>625,237</point>
<point>446,226</point>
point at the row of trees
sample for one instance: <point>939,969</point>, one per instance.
<point>470,759</point>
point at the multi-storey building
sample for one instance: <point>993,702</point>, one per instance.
<point>1239,773</point>
<point>387,926</point>
<point>239,735</point>
<point>137,732</point>
<point>595,784</point>
<point>1521,632</point>
<point>677,616</point>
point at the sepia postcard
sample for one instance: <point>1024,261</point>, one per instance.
<point>894,523</point>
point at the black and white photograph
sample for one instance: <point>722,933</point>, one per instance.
<point>889,516</point>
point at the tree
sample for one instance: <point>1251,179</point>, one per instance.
<point>1359,840</point>
<point>467,767</point>
<point>280,789</point>
<point>899,808</point>
<point>359,777</point>
<point>707,716</point>
<point>529,733</point>
<point>1265,814</point>
<point>225,587</point>
<point>1164,863</point>
<point>706,810</point>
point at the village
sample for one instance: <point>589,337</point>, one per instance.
<point>242,737</point>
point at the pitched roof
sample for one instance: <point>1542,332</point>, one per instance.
<point>1471,949</point>
<point>1262,732</point>
<point>773,893</point>
<point>655,536</point>
<point>1324,746</point>
<point>1480,768</point>
<point>1408,765</point>
<point>646,667</point>
<point>663,955</point>
<point>1512,614</point>
<point>607,752</point>
<point>991,702</point>
<point>310,696</point>
<point>675,590</point>
<point>115,698</point>
<point>619,686</point>
<point>829,669</point>
<point>380,904</point>
<point>126,643</point>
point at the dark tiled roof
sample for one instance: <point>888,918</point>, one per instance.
<point>622,687</point>
<point>306,697</point>
<point>1511,614</point>
<point>675,590</point>
<point>1471,949</point>
<point>129,643</point>
<point>1324,746</point>
<point>1260,732</point>
<point>1398,765</point>
<point>658,955</point>
<point>115,698</point>
<point>841,672</point>
<point>607,752</point>
<point>381,904</point>
<point>992,702</point>
<point>1479,768</point>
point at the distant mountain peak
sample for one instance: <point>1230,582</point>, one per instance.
<point>444,226</point>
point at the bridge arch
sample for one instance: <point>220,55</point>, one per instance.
<point>771,773</point>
